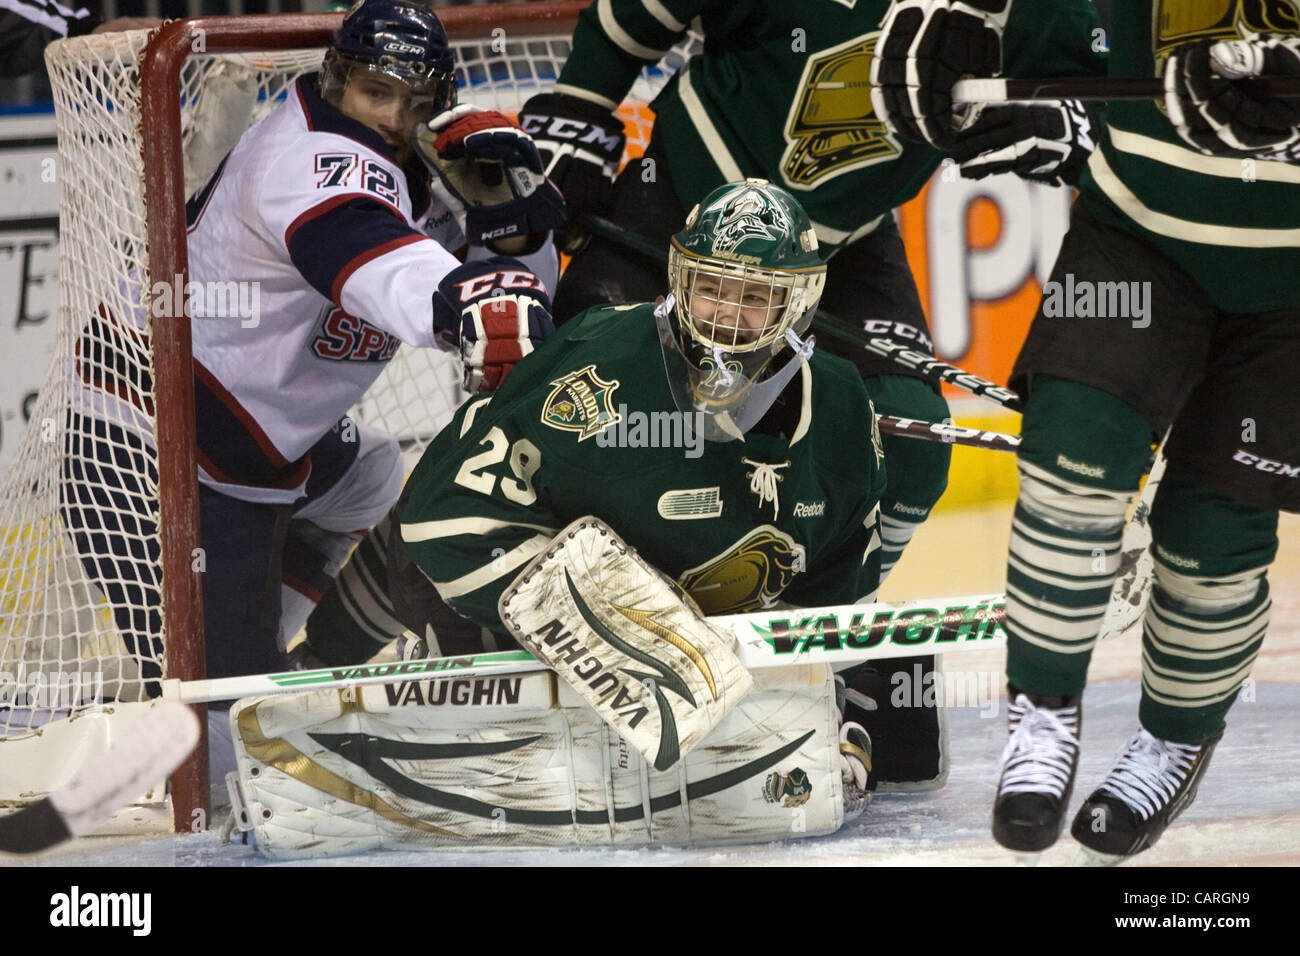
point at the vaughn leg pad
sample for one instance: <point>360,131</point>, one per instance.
<point>520,760</point>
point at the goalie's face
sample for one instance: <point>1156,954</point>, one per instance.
<point>388,106</point>
<point>731,312</point>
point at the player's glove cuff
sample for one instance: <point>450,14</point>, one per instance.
<point>1044,142</point>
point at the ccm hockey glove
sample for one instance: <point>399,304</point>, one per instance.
<point>925,46</point>
<point>581,144</point>
<point>493,170</point>
<point>1046,142</point>
<point>497,311</point>
<point>1215,115</point>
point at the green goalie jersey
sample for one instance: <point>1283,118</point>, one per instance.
<point>586,426</point>
<point>781,92</point>
<point>1232,223</point>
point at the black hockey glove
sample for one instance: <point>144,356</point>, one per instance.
<point>926,46</point>
<point>1215,115</point>
<point>492,169</point>
<point>581,144</point>
<point>1044,142</point>
<point>497,311</point>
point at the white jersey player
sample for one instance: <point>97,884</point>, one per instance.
<point>325,210</point>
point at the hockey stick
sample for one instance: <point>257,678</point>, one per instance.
<point>841,634</point>
<point>947,432</point>
<point>936,368</point>
<point>146,754</point>
<point>1001,90</point>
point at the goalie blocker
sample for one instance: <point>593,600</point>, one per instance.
<point>493,762</point>
<point>627,639</point>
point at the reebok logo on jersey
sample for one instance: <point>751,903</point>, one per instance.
<point>1177,560</point>
<point>1079,468</point>
<point>809,509</point>
<point>688,503</point>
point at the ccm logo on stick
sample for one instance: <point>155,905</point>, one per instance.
<point>1267,464</point>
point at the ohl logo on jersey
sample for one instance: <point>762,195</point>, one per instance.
<point>832,127</point>
<point>750,574</point>
<point>345,338</point>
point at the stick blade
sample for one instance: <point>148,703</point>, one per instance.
<point>147,752</point>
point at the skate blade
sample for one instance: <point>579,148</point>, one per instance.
<point>1088,857</point>
<point>1028,858</point>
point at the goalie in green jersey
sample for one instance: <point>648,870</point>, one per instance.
<point>739,462</point>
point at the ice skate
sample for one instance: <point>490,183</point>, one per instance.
<point>1038,768</point>
<point>1151,783</point>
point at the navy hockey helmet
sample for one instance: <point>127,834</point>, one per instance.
<point>745,276</point>
<point>402,40</point>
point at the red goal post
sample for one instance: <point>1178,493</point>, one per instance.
<point>133,111</point>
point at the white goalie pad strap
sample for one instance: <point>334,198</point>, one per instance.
<point>491,763</point>
<point>626,639</point>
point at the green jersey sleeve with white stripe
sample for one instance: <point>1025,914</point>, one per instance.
<point>780,91</point>
<point>587,426</point>
<point>1232,223</point>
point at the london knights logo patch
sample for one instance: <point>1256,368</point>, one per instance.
<point>788,789</point>
<point>581,402</point>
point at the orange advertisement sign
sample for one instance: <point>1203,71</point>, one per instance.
<point>980,251</point>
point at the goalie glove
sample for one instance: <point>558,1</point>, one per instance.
<point>627,639</point>
<point>497,312</point>
<point>1215,115</point>
<point>493,170</point>
<point>581,145</point>
<point>1046,142</point>
<point>924,47</point>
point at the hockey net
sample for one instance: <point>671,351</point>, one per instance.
<point>89,487</point>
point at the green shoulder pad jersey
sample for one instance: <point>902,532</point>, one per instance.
<point>570,434</point>
<point>1232,223</point>
<point>781,92</point>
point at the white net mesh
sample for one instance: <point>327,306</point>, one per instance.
<point>86,470</point>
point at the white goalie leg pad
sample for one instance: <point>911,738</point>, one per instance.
<point>499,762</point>
<point>627,639</point>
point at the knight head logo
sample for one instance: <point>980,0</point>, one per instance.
<point>748,215</point>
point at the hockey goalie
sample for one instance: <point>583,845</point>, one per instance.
<point>648,730</point>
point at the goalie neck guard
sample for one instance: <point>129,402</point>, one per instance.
<point>404,41</point>
<point>745,279</point>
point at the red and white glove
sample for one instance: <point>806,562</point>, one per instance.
<point>492,168</point>
<point>497,311</point>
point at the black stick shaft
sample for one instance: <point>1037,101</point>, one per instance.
<point>947,432</point>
